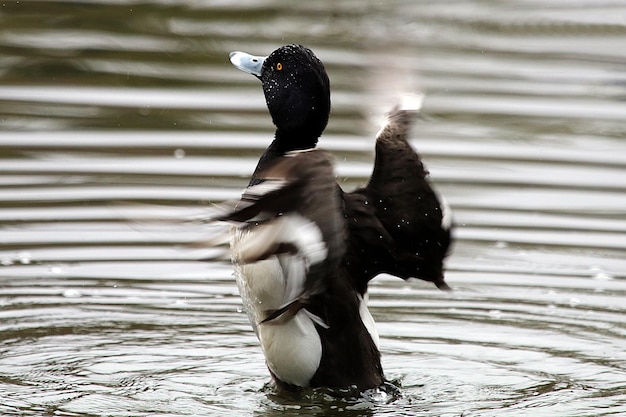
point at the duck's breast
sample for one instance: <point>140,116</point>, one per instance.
<point>292,346</point>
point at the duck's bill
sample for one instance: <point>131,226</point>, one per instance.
<point>247,63</point>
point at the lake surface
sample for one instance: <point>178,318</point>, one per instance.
<point>123,122</point>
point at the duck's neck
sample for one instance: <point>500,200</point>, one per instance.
<point>283,142</point>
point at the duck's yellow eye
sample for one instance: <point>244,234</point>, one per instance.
<point>279,66</point>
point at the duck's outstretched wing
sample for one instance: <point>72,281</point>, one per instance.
<point>294,214</point>
<point>397,224</point>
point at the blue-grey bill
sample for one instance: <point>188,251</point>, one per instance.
<point>247,63</point>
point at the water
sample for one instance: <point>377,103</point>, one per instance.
<point>123,122</point>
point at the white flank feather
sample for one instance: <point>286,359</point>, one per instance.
<point>292,347</point>
<point>367,319</point>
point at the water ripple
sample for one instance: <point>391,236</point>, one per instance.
<point>123,123</point>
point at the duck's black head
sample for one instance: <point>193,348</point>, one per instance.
<point>297,92</point>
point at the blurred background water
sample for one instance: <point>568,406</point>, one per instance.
<point>122,121</point>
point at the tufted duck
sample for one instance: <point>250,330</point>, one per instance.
<point>304,250</point>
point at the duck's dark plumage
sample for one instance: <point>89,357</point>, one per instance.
<point>396,223</point>
<point>305,250</point>
<point>293,186</point>
<point>288,75</point>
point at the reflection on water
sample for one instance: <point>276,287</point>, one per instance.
<point>122,122</point>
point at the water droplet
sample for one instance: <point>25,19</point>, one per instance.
<point>179,153</point>
<point>72,293</point>
<point>495,314</point>
<point>24,258</point>
<point>573,302</point>
<point>55,270</point>
<point>600,274</point>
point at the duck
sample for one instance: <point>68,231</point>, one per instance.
<point>304,250</point>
